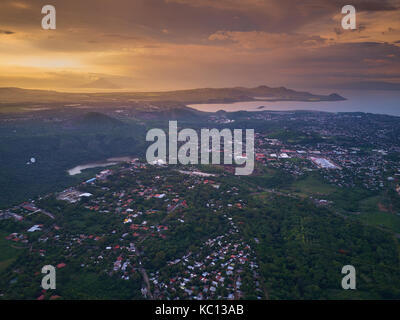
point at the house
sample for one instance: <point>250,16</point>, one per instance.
<point>29,207</point>
<point>160,196</point>
<point>36,227</point>
<point>86,195</point>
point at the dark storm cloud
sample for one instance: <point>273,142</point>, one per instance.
<point>182,21</point>
<point>6,32</point>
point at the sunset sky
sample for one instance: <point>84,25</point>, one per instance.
<point>179,44</point>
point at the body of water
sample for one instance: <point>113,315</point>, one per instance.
<point>107,163</point>
<point>380,102</point>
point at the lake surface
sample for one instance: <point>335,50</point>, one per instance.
<point>107,163</point>
<point>380,102</point>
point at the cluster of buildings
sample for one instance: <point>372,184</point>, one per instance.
<point>216,271</point>
<point>342,166</point>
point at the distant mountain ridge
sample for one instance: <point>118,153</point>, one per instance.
<point>205,95</point>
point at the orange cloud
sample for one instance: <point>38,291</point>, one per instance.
<point>170,44</point>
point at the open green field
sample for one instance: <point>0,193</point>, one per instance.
<point>382,219</point>
<point>373,213</point>
<point>366,207</point>
<point>370,204</point>
<point>312,185</point>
